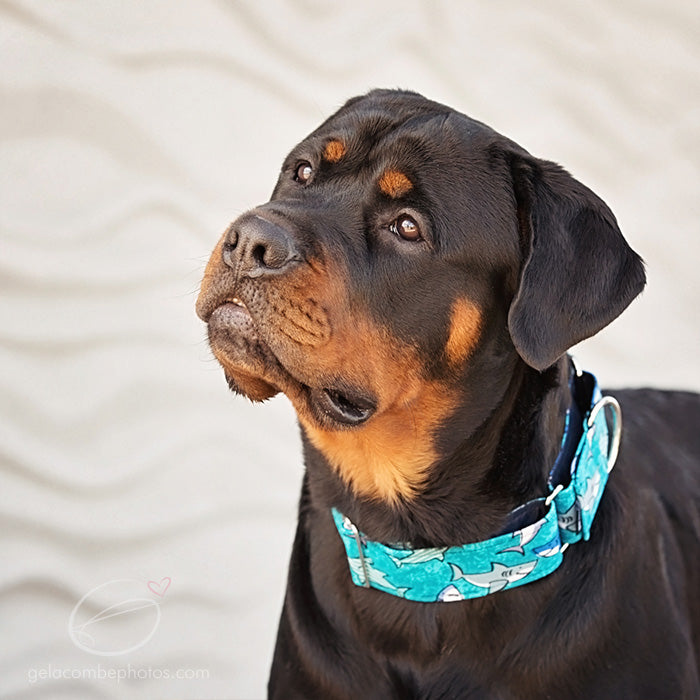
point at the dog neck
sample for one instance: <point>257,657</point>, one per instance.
<point>495,464</point>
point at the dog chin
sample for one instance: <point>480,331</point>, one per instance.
<point>250,368</point>
<point>328,407</point>
<point>253,388</point>
<point>253,370</point>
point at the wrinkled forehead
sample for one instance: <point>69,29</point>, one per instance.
<point>375,133</point>
<point>366,125</point>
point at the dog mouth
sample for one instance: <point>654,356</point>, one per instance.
<point>231,317</point>
<point>346,407</point>
<point>254,370</point>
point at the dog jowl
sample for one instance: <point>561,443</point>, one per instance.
<point>413,286</point>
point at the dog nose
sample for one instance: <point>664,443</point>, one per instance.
<point>259,247</point>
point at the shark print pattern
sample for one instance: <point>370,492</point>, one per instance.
<point>420,556</point>
<point>550,549</point>
<point>449,594</point>
<point>526,535</point>
<point>587,499</point>
<point>376,578</point>
<point>450,574</point>
<point>571,519</point>
<point>591,469</point>
<point>499,576</point>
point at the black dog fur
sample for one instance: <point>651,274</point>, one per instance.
<point>541,259</point>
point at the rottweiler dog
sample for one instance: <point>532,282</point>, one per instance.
<point>413,286</point>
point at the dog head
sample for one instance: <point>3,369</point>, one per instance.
<point>408,258</point>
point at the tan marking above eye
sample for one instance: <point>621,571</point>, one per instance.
<point>394,183</point>
<point>334,151</point>
<point>465,323</point>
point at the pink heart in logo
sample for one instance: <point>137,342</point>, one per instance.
<point>159,588</point>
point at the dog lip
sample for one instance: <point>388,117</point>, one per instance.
<point>343,407</point>
<point>333,406</point>
<point>206,310</point>
<point>236,301</point>
<point>228,318</point>
<point>234,307</point>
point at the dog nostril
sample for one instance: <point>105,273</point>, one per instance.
<point>271,256</point>
<point>258,253</point>
<point>263,247</point>
<point>227,253</point>
<point>232,238</point>
<point>229,246</point>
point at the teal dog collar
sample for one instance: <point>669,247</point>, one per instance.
<point>446,574</point>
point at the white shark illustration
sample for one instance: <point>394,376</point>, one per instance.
<point>526,534</point>
<point>449,594</point>
<point>571,519</point>
<point>550,549</point>
<point>587,500</point>
<point>499,576</point>
<point>378,577</point>
<point>421,555</point>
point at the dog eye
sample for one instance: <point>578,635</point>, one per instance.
<point>406,227</point>
<point>303,172</point>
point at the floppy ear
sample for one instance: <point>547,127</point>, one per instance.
<point>578,272</point>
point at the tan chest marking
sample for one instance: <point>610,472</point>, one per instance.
<point>387,458</point>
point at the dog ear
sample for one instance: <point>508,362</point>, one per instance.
<point>578,272</point>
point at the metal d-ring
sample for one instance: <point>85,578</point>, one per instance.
<point>614,443</point>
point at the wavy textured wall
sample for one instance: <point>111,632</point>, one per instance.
<point>130,134</point>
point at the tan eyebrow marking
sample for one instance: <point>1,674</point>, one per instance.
<point>394,183</point>
<point>334,151</point>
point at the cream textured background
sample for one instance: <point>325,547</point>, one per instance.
<point>131,133</point>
